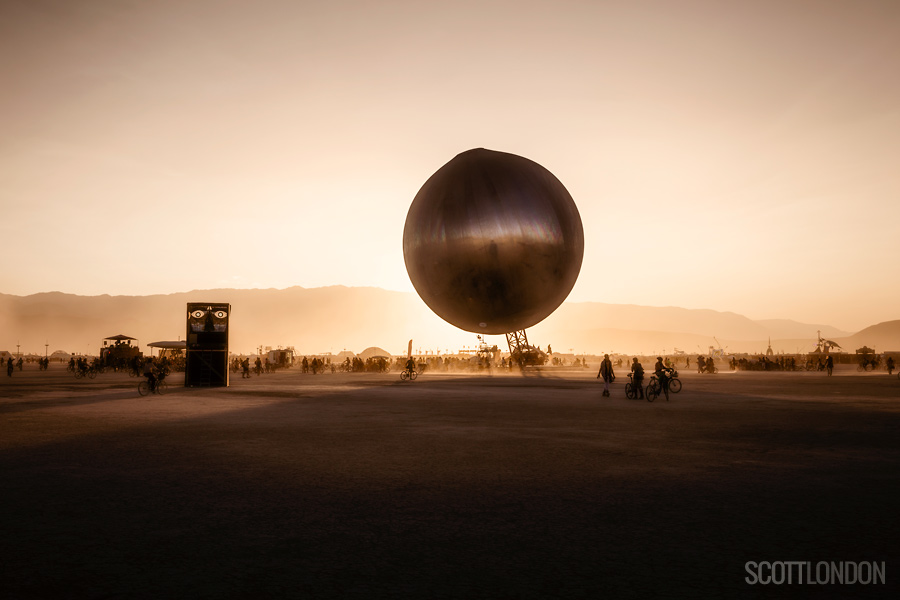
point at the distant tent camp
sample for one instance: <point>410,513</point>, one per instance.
<point>374,352</point>
<point>343,355</point>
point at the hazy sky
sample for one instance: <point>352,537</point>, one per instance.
<point>739,156</point>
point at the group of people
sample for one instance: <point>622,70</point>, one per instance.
<point>663,373</point>
<point>706,365</point>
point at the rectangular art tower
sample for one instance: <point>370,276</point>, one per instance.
<point>207,344</point>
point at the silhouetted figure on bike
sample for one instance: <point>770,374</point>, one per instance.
<point>606,372</point>
<point>701,364</point>
<point>637,378</point>
<point>151,374</point>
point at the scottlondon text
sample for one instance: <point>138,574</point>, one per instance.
<point>793,572</point>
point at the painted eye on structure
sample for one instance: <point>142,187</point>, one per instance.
<point>221,314</point>
<point>198,314</point>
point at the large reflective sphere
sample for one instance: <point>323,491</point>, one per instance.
<point>493,242</point>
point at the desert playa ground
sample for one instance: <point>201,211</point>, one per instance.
<point>452,486</point>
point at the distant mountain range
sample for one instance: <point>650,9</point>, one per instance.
<point>331,319</point>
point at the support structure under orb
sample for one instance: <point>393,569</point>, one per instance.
<point>517,341</point>
<point>521,352</point>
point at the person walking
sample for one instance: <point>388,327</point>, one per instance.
<point>890,365</point>
<point>829,365</point>
<point>606,372</point>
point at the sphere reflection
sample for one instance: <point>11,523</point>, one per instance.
<point>493,242</point>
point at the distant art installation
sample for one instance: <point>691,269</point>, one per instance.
<point>493,242</point>
<point>206,363</point>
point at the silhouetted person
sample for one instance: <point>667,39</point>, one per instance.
<point>890,365</point>
<point>701,364</point>
<point>9,367</point>
<point>151,374</point>
<point>606,372</point>
<point>829,365</point>
<point>662,373</point>
<point>245,368</point>
<point>411,365</point>
<point>637,379</point>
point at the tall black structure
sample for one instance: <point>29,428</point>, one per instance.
<point>207,344</point>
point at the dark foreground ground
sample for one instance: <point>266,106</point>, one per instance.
<point>361,486</point>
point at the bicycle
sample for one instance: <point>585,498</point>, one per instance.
<point>674,382</point>
<point>408,374</point>
<point>89,373</point>
<point>160,388</point>
<point>631,389</point>
<point>654,388</point>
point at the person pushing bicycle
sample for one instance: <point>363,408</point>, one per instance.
<point>638,377</point>
<point>662,373</point>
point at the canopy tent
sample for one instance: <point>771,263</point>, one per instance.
<point>119,338</point>
<point>169,349</point>
<point>180,345</point>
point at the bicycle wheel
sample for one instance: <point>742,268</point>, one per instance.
<point>92,374</point>
<point>79,374</point>
<point>143,388</point>
<point>652,390</point>
<point>413,375</point>
<point>675,385</point>
<point>162,387</point>
<point>629,391</point>
<point>404,375</point>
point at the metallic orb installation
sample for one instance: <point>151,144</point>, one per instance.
<point>493,242</point>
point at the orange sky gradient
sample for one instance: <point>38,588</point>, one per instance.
<point>738,156</point>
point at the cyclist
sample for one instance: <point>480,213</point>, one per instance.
<point>411,365</point>
<point>151,374</point>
